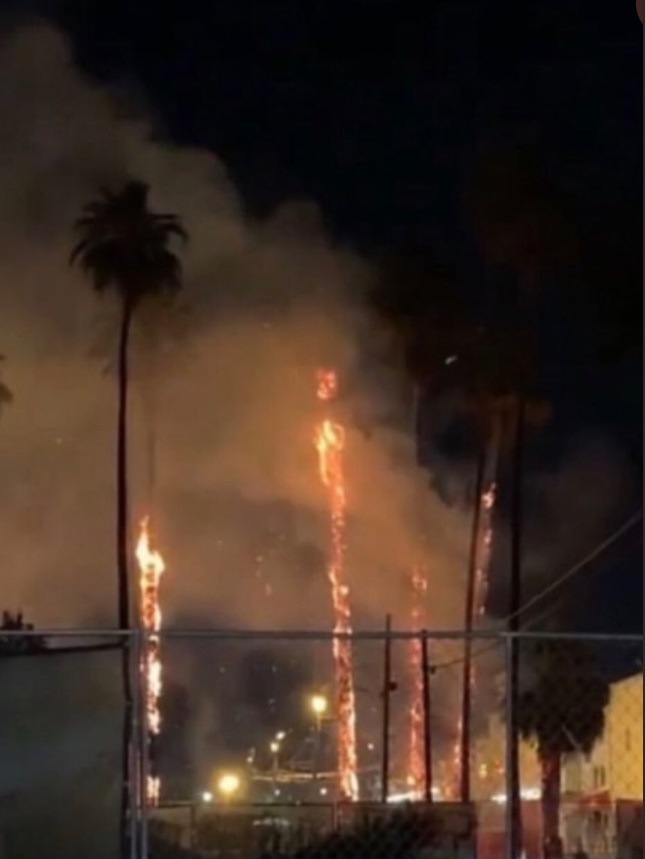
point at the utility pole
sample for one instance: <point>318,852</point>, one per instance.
<point>513,777</point>
<point>388,687</point>
<point>467,678</point>
<point>427,720</point>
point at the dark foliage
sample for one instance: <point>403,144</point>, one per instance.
<point>124,246</point>
<point>403,834</point>
<point>563,708</point>
<point>14,644</point>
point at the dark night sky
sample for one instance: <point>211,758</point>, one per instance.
<point>375,108</point>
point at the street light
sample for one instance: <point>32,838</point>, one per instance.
<point>228,784</point>
<point>319,706</point>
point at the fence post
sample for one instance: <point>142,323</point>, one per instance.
<point>387,690</point>
<point>143,739</point>
<point>509,769</point>
<point>427,716</point>
<point>134,651</point>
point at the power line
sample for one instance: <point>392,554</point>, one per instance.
<point>550,588</point>
<point>581,564</point>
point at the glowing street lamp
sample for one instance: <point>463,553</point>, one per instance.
<point>228,785</point>
<point>319,706</point>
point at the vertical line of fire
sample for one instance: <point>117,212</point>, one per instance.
<point>481,583</point>
<point>330,443</point>
<point>416,746</point>
<point>151,568</point>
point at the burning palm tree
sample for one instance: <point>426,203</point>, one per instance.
<point>124,247</point>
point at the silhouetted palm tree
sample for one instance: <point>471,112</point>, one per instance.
<point>124,247</point>
<point>13,644</point>
<point>562,712</point>
<point>521,221</point>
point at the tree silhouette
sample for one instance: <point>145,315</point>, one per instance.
<point>522,224</point>
<point>443,346</point>
<point>562,711</point>
<point>123,247</point>
<point>15,644</point>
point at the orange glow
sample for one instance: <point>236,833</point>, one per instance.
<point>151,568</point>
<point>484,551</point>
<point>484,546</point>
<point>330,443</point>
<point>453,790</point>
<point>416,762</point>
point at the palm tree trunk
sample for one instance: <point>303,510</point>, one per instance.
<point>122,554</point>
<point>514,625</point>
<point>471,582</point>
<point>551,773</point>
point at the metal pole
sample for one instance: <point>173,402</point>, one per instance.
<point>427,721</point>
<point>387,688</point>
<point>511,817</point>
<point>134,775</point>
<point>316,749</point>
<point>144,743</point>
<point>192,824</point>
<point>467,671</point>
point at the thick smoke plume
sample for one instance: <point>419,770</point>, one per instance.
<point>239,507</point>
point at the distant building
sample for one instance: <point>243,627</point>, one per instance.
<point>602,793</point>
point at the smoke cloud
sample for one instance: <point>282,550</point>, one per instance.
<point>238,506</point>
<point>224,388</point>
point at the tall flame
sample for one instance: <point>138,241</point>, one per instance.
<point>484,546</point>
<point>481,572</point>
<point>151,568</point>
<point>416,758</point>
<point>330,443</point>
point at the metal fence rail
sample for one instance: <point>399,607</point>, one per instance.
<point>248,750</point>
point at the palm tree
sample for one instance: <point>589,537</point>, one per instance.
<point>521,221</point>
<point>124,247</point>
<point>562,712</point>
<point>488,379</point>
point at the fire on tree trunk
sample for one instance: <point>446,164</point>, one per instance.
<point>551,771</point>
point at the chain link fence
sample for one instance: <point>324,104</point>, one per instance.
<point>248,754</point>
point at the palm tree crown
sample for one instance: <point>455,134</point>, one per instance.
<point>124,246</point>
<point>563,709</point>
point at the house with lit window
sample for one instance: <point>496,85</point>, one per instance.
<point>601,793</point>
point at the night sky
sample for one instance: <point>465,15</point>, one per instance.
<point>376,109</point>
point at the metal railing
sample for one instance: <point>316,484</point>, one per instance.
<point>577,715</point>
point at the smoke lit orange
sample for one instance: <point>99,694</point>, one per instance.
<point>330,443</point>
<point>151,568</point>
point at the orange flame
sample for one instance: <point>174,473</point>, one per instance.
<point>484,546</point>
<point>151,568</point>
<point>484,553</point>
<point>330,443</point>
<point>416,763</point>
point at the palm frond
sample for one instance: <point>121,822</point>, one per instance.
<point>123,245</point>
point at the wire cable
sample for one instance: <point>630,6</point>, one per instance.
<point>553,586</point>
